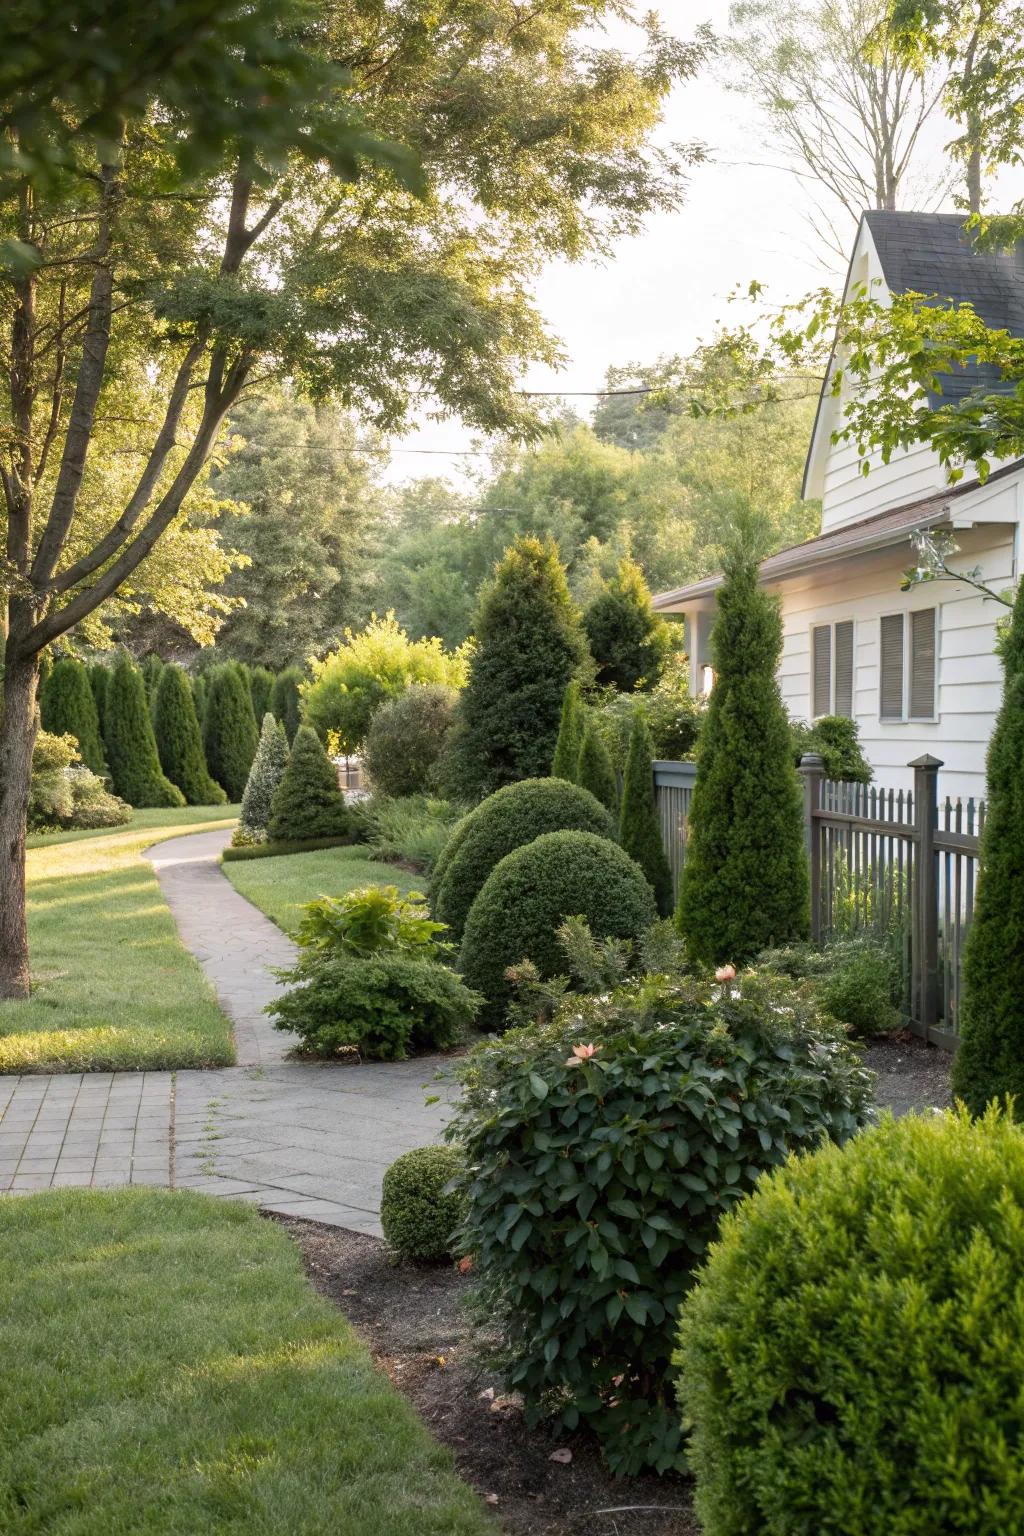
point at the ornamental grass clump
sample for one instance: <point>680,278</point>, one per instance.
<point>851,1359</point>
<point>601,1152</point>
<point>418,1212</point>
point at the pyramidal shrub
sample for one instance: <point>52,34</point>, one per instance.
<point>571,729</point>
<point>265,775</point>
<point>130,743</point>
<point>178,740</point>
<point>594,769</point>
<point>230,736</point>
<point>639,828</point>
<point>68,708</point>
<point>307,803</point>
<point>99,682</point>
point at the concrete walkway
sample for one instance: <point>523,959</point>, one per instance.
<point>307,1139</point>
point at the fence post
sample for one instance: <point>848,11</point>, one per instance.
<point>926,891</point>
<point>812,771</point>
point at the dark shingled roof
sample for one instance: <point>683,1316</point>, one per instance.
<point>931,253</point>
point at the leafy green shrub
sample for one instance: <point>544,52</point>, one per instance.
<point>383,1006</point>
<point>528,895</point>
<point>629,641</point>
<point>504,821</point>
<point>852,1356</point>
<point>130,744</point>
<point>837,741</point>
<point>67,707</point>
<point>49,798</point>
<point>265,775</point>
<point>417,1214</point>
<point>230,737</point>
<point>264,850</point>
<point>406,738</point>
<point>600,1153</point>
<point>673,718</point>
<point>857,980</point>
<point>307,803</point>
<point>594,769</point>
<point>639,827</point>
<point>92,804</point>
<point>571,726</point>
<point>178,740</point>
<point>415,828</point>
<point>286,700</point>
<point>368,920</point>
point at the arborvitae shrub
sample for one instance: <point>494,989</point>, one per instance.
<point>308,803</point>
<point>230,736</point>
<point>151,670</point>
<point>418,1217</point>
<point>571,727</point>
<point>504,821</point>
<point>851,1359</point>
<point>67,707</point>
<point>265,775</point>
<point>286,700</point>
<point>261,682</point>
<point>639,828</point>
<point>529,644</point>
<point>130,743</point>
<point>99,682</point>
<point>178,740</point>
<point>744,884</point>
<point>628,640</point>
<point>528,895</point>
<point>594,769</point>
<point>990,1061</point>
<point>406,739</point>
<point>199,692</point>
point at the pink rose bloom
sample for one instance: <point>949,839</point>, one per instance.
<point>725,973</point>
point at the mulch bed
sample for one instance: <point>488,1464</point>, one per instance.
<point>417,1328</point>
<point>910,1074</point>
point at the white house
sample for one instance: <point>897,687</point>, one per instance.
<point>916,670</point>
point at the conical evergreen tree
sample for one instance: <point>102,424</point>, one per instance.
<point>67,705</point>
<point>230,737</point>
<point>571,729</point>
<point>178,740</point>
<point>639,829</point>
<point>628,640</point>
<point>744,885</point>
<point>530,643</point>
<point>199,691</point>
<point>308,803</point>
<point>990,1061</point>
<point>594,770</point>
<point>265,775</point>
<point>99,682</point>
<point>286,700</point>
<point>130,745</point>
<point>151,670</point>
<point>260,684</point>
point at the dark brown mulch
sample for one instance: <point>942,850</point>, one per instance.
<point>911,1075</point>
<point>419,1333</point>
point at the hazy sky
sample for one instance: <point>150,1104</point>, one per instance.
<point>665,289</point>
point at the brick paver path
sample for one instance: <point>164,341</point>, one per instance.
<point>307,1139</point>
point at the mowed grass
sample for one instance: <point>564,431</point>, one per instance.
<point>168,1371</point>
<point>112,985</point>
<point>280,886</point>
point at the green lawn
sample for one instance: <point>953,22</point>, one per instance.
<point>280,886</point>
<point>168,1371</point>
<point>112,986</point>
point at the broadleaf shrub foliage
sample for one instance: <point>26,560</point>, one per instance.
<point>406,738</point>
<point>851,1359</point>
<point>370,919</point>
<point>418,1213</point>
<point>600,1154</point>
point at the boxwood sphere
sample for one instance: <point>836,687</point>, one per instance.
<point>504,821</point>
<point>530,893</point>
<point>852,1357</point>
<point>417,1216</point>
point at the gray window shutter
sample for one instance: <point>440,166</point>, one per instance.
<point>890,705</point>
<point>821,703</point>
<point>844,670</point>
<point>922,664</point>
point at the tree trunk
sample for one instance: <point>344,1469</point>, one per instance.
<point>18,726</point>
<point>974,178</point>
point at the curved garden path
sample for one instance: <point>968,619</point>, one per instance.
<point>303,1138</point>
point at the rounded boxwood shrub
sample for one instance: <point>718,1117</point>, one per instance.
<point>406,739</point>
<point>417,1216</point>
<point>600,1152</point>
<point>852,1357</point>
<point>504,821</point>
<point>528,895</point>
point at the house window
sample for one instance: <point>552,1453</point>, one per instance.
<point>832,669</point>
<point>908,665</point>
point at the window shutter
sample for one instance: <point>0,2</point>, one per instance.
<point>844,670</point>
<point>922,664</point>
<point>890,705</point>
<point>821,703</point>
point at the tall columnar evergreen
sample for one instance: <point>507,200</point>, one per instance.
<point>179,742</point>
<point>66,705</point>
<point>570,734</point>
<point>265,775</point>
<point>130,744</point>
<point>639,828</point>
<point>744,885</point>
<point>594,769</point>
<point>260,683</point>
<point>308,803</point>
<point>99,682</point>
<point>628,640</point>
<point>286,700</point>
<point>230,737</point>
<point>199,691</point>
<point>530,643</point>
<point>151,670</point>
<point>990,1061</point>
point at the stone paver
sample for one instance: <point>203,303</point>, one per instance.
<point>306,1139</point>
